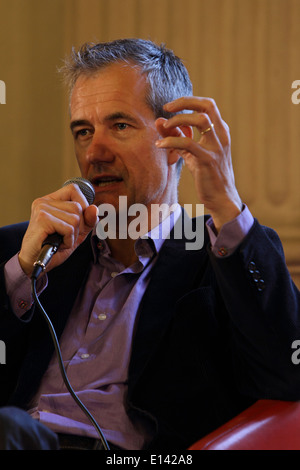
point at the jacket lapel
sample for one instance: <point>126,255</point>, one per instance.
<point>175,273</point>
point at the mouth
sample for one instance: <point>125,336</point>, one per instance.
<point>105,181</point>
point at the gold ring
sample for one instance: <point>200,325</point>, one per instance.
<point>208,129</point>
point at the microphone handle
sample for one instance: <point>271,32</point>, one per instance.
<point>49,248</point>
<point>55,239</point>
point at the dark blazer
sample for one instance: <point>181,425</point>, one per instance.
<point>213,334</point>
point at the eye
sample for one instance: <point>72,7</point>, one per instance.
<point>121,126</point>
<point>82,133</point>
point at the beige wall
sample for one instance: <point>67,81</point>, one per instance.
<point>244,53</point>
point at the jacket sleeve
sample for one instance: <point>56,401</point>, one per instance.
<point>13,332</point>
<point>264,308</point>
<point>10,243</point>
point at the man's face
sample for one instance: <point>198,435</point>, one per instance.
<point>114,134</point>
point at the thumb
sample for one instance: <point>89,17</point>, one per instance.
<point>90,217</point>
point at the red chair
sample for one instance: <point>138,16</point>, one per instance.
<point>266,425</point>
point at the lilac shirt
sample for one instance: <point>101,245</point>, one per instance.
<point>96,343</point>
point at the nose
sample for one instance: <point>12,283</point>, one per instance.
<point>100,148</point>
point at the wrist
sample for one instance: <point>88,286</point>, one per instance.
<point>226,214</point>
<point>27,267</point>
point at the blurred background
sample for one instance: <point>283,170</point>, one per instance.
<point>243,53</point>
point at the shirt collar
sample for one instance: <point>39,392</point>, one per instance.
<point>146,246</point>
<point>162,231</point>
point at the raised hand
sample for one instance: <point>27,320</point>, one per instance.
<point>208,158</point>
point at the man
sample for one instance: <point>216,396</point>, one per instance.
<point>162,343</point>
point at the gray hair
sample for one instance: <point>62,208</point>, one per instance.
<point>167,76</point>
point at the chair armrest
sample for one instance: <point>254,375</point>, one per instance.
<point>266,425</point>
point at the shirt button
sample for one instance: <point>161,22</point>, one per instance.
<point>84,356</point>
<point>102,316</point>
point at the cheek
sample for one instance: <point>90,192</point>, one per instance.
<point>160,161</point>
<point>155,171</point>
<point>81,160</point>
<point>151,165</point>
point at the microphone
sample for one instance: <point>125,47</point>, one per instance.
<point>53,241</point>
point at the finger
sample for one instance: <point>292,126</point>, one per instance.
<point>71,192</point>
<point>75,229</point>
<point>194,103</point>
<point>47,220</point>
<point>76,225</point>
<point>201,105</point>
<point>90,217</point>
<point>67,211</point>
<point>166,131</point>
<point>199,120</point>
<point>59,211</point>
<point>185,146</point>
<point>68,218</point>
<point>49,216</point>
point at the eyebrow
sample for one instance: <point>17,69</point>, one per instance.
<point>79,122</point>
<point>120,115</point>
<point>109,118</point>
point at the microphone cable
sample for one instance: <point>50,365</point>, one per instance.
<point>62,368</point>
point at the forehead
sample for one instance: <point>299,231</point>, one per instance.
<point>117,85</point>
